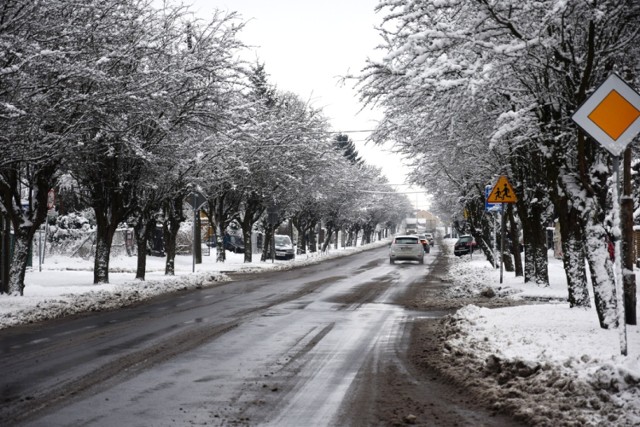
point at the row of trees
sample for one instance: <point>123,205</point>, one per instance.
<point>475,89</point>
<point>131,108</point>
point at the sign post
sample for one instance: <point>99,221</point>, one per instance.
<point>491,208</point>
<point>611,117</point>
<point>502,193</point>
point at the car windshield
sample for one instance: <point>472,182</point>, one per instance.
<point>465,239</point>
<point>283,240</point>
<point>406,240</point>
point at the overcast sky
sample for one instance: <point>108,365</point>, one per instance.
<point>306,45</point>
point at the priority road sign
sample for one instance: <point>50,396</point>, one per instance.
<point>502,192</point>
<point>611,115</point>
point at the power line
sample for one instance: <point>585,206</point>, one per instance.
<point>352,131</point>
<point>393,192</point>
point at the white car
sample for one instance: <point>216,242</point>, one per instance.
<point>406,248</point>
<point>284,247</point>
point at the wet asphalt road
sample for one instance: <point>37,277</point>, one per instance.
<point>279,349</point>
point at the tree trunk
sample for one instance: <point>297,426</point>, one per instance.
<point>22,238</point>
<point>541,262</point>
<point>142,229</point>
<point>301,241</point>
<point>173,217</point>
<point>106,224</point>
<point>24,220</point>
<point>487,248</point>
<point>540,257</point>
<point>303,229</point>
<point>529,262</point>
<point>515,242</point>
<point>327,239</point>
<point>313,241</point>
<point>141,258</point>
<point>221,256</point>
<point>267,246</point>
<point>507,261</point>
<point>246,236</point>
<point>367,232</point>
<point>20,259</point>
<point>221,227</point>
<point>535,241</point>
<point>253,210</point>
<point>602,279</point>
<point>170,232</point>
<point>301,247</point>
<point>573,254</point>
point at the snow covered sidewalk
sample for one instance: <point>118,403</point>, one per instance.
<point>532,354</point>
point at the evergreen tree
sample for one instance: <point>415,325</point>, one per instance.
<point>348,148</point>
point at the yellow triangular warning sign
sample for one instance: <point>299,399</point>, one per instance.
<point>502,192</point>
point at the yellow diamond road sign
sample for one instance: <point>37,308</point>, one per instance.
<point>611,115</point>
<point>502,192</point>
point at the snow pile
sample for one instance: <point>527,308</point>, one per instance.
<point>546,363</point>
<point>104,297</point>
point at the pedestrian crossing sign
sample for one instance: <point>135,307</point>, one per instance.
<point>502,192</point>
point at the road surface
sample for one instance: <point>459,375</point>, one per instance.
<point>323,345</point>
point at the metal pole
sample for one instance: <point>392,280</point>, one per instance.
<point>40,250</point>
<point>193,264</point>
<point>46,233</point>
<point>495,240</point>
<point>617,264</point>
<point>502,221</point>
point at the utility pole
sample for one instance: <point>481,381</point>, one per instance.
<point>4,254</point>
<point>626,225</point>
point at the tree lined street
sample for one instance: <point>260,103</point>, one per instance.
<point>474,90</point>
<point>133,121</point>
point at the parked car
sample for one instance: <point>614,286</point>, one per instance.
<point>425,242</point>
<point>284,247</point>
<point>406,248</point>
<point>464,245</point>
<point>430,238</point>
<point>234,244</point>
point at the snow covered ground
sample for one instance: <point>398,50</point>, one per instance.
<point>568,350</point>
<point>548,334</point>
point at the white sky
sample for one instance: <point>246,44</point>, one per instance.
<point>306,46</point>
